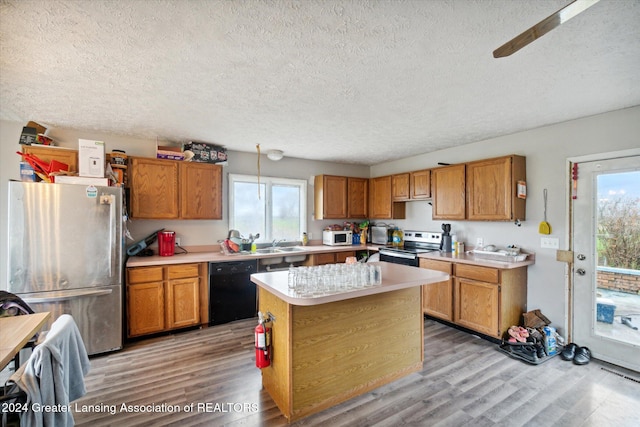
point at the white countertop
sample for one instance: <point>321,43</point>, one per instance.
<point>394,277</point>
<point>213,254</point>
<point>469,258</point>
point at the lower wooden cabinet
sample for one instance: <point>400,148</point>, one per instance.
<point>437,298</point>
<point>162,298</point>
<point>183,308</point>
<point>341,257</point>
<point>329,258</point>
<point>483,299</point>
<point>477,306</point>
<point>145,308</point>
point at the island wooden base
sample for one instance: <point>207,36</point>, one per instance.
<point>328,353</point>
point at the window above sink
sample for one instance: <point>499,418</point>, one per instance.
<point>274,207</point>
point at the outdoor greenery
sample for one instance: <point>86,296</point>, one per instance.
<point>618,238</point>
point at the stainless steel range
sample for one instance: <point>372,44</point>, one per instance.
<point>415,242</point>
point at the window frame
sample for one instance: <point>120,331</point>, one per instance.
<point>269,182</point>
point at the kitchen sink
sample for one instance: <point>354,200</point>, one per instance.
<point>288,249</point>
<point>290,253</point>
<point>267,250</point>
<point>279,249</point>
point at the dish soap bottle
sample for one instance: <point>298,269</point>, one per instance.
<point>305,239</point>
<point>398,238</point>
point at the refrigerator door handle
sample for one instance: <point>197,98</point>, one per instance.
<point>112,220</point>
<point>107,199</point>
<point>66,295</point>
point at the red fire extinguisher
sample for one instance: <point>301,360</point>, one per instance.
<point>263,342</point>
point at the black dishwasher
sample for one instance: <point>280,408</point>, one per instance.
<point>232,294</point>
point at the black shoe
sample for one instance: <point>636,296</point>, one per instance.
<point>526,351</point>
<point>569,351</point>
<point>582,357</point>
<point>540,351</point>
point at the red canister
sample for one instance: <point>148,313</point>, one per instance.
<point>166,243</point>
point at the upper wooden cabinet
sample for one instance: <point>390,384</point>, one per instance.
<point>485,190</point>
<point>411,186</point>
<point>167,189</point>
<point>357,197</point>
<point>381,204</point>
<point>400,187</point>
<point>201,191</point>
<point>340,197</point>
<point>330,197</point>
<point>154,188</point>
<point>449,192</point>
<point>420,184</point>
<point>48,153</point>
<point>492,189</point>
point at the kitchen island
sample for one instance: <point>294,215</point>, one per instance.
<point>330,348</point>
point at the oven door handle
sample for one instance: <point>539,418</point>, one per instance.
<point>397,254</point>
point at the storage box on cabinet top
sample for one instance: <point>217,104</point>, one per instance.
<point>91,158</point>
<point>170,153</point>
<point>81,180</point>
<point>206,153</point>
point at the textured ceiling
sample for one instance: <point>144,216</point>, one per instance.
<point>356,81</point>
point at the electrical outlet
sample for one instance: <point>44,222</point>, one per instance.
<point>550,242</point>
<point>310,236</point>
<point>479,243</point>
<point>177,241</point>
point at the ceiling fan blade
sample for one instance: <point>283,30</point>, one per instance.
<point>543,27</point>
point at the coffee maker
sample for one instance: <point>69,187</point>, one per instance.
<point>445,243</point>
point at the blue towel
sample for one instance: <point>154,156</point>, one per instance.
<point>54,375</point>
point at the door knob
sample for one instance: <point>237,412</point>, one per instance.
<point>581,271</point>
<point>581,257</point>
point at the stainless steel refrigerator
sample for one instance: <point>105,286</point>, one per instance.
<point>65,256</point>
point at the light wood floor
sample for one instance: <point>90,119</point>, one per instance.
<point>465,381</point>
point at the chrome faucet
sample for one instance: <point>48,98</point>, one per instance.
<point>276,242</point>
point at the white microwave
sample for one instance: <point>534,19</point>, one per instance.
<point>337,238</point>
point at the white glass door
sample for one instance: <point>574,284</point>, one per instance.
<point>606,269</point>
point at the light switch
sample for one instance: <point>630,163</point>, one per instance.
<point>550,242</point>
